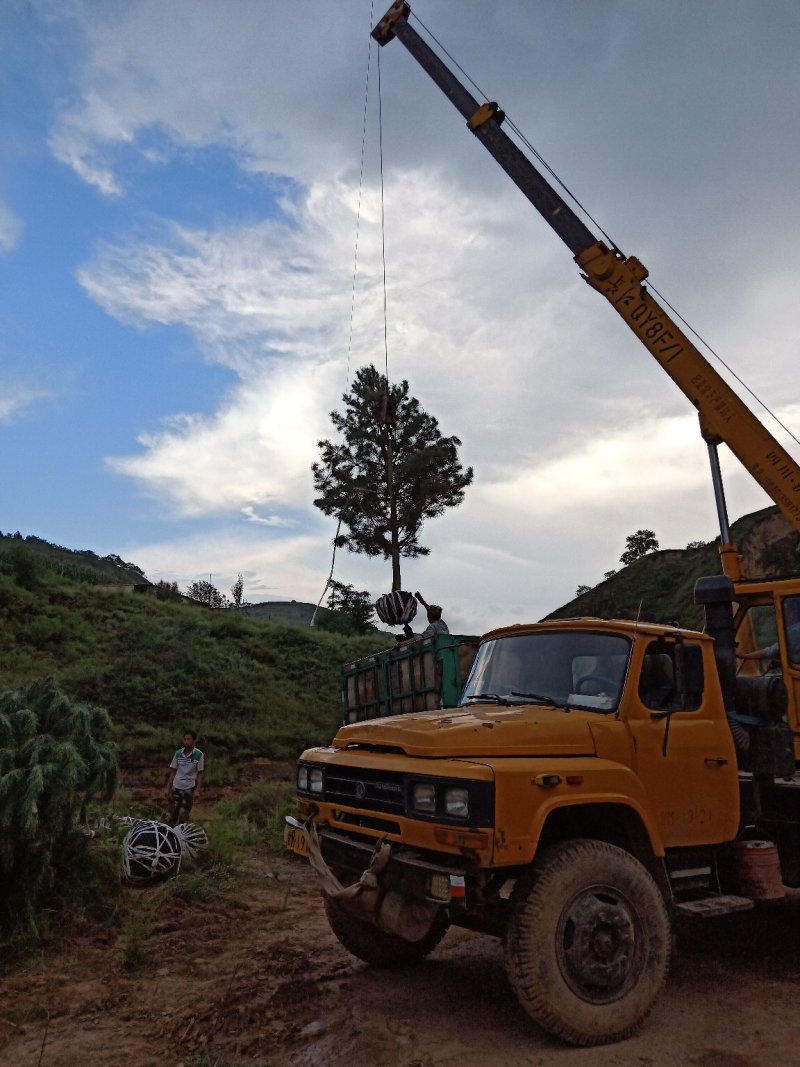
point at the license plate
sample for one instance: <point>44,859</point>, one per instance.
<point>295,840</point>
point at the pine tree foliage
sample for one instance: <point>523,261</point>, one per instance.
<point>390,470</point>
<point>353,608</point>
<point>55,755</point>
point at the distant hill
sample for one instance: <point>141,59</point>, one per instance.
<point>660,586</point>
<point>82,565</point>
<point>162,665</point>
<point>35,553</point>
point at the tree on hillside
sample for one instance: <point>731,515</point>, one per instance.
<point>206,593</point>
<point>237,592</point>
<point>583,589</point>
<point>637,545</point>
<point>353,607</point>
<point>167,591</point>
<point>25,565</point>
<point>390,470</point>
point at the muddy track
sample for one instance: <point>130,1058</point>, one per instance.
<point>258,979</point>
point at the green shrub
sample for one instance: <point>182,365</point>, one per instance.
<point>264,806</point>
<point>54,756</point>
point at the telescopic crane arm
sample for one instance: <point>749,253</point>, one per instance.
<point>723,415</point>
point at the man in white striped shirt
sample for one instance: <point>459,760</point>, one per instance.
<point>185,779</point>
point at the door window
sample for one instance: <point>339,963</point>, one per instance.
<point>658,685</point>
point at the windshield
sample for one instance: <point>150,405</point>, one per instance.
<point>567,668</point>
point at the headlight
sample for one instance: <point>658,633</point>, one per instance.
<point>424,797</point>
<point>302,778</point>
<point>456,803</point>
<point>315,780</point>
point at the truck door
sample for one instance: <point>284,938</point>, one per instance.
<point>684,756</point>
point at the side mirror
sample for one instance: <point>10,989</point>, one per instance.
<point>689,677</point>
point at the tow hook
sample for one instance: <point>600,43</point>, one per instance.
<point>367,899</point>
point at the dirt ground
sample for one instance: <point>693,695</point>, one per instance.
<point>259,980</point>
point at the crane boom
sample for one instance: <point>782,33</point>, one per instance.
<point>724,417</point>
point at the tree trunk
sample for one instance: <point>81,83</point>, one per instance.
<point>393,531</point>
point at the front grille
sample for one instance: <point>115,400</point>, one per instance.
<point>391,793</point>
<point>365,789</point>
<point>366,822</point>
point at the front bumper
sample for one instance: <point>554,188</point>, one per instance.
<point>406,872</point>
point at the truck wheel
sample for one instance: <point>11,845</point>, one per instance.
<point>588,942</point>
<point>377,947</point>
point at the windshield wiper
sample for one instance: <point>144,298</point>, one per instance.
<point>495,697</point>
<point>537,698</point>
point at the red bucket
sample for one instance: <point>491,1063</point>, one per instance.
<point>760,870</point>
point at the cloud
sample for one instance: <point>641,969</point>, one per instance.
<point>256,451</point>
<point>515,549</point>
<point>273,287</point>
<point>202,79</point>
<point>251,515</point>
<point>10,229</point>
<point>576,436</point>
<point>17,397</point>
<point>272,302</point>
<point>273,569</point>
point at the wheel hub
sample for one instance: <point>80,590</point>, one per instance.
<point>597,945</point>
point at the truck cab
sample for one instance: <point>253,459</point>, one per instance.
<point>555,717</point>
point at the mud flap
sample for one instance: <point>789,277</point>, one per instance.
<point>366,899</point>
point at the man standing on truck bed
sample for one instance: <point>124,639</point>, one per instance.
<point>185,779</point>
<point>436,624</point>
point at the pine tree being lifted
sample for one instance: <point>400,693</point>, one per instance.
<point>391,470</point>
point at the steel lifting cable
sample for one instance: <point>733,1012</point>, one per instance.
<point>728,368</point>
<point>383,229</point>
<point>584,211</point>
<point>355,273</point>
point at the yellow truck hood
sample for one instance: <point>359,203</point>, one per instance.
<point>483,730</point>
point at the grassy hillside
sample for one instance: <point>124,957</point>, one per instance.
<point>34,553</point>
<point>660,586</point>
<point>159,667</point>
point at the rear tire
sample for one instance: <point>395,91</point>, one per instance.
<point>588,943</point>
<point>377,947</point>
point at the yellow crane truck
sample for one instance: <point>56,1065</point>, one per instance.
<point>597,777</point>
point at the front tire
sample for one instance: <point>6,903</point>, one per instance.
<point>588,943</point>
<point>377,947</point>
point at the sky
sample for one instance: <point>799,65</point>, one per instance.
<point>191,273</point>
